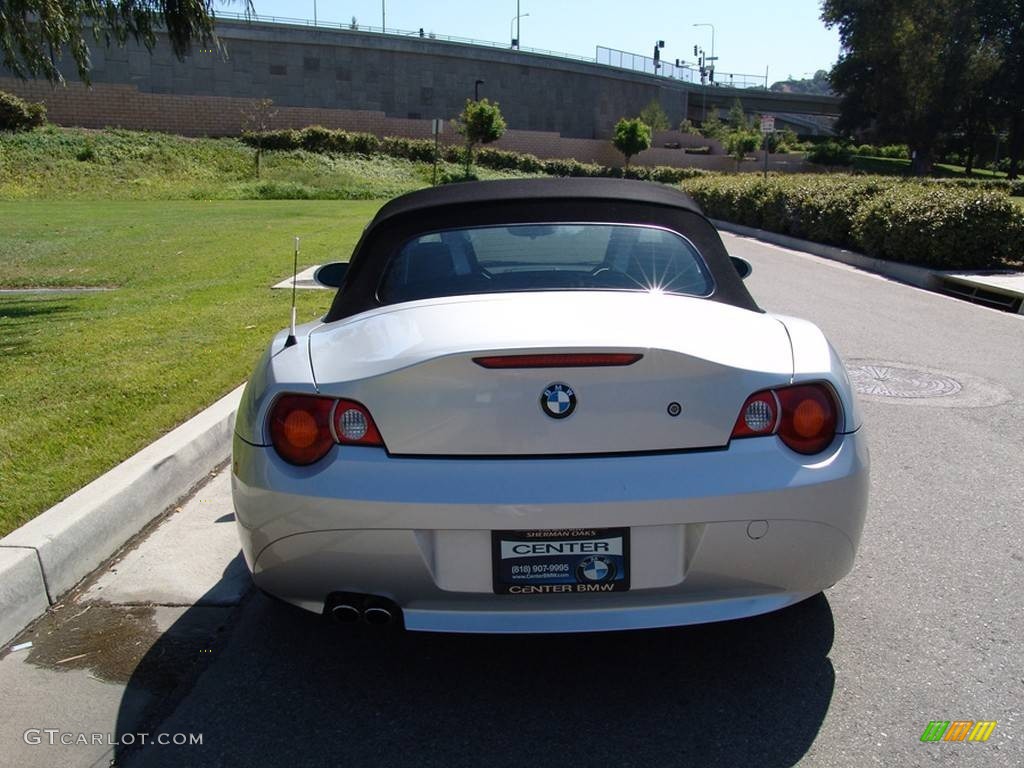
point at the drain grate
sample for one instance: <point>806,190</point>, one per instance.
<point>895,381</point>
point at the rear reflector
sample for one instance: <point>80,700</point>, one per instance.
<point>557,361</point>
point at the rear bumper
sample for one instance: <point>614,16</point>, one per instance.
<point>714,535</point>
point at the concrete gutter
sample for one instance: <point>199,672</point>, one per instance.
<point>905,273</point>
<point>47,556</point>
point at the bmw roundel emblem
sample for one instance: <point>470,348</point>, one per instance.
<point>558,400</point>
<point>595,569</point>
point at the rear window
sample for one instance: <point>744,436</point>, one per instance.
<point>545,257</point>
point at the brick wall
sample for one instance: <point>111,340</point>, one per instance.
<point>124,106</point>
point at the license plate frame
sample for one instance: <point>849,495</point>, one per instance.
<point>577,560</point>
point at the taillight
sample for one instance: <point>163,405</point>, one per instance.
<point>804,416</point>
<point>354,426</point>
<point>300,427</point>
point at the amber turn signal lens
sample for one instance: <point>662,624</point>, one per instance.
<point>300,428</point>
<point>809,418</point>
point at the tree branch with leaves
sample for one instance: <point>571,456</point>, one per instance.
<point>36,34</point>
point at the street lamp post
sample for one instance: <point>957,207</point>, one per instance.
<point>515,21</point>
<point>713,57</point>
<point>383,17</point>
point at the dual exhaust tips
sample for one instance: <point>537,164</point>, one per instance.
<point>351,609</point>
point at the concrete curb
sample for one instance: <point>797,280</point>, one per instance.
<point>48,555</point>
<point>905,273</point>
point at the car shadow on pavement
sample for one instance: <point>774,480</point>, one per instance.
<point>288,687</point>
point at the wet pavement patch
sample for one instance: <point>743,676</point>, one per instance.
<point>111,642</point>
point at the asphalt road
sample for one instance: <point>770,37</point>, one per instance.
<point>928,626</point>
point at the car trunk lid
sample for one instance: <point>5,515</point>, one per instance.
<point>417,368</point>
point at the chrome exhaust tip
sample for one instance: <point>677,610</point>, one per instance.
<point>378,616</point>
<point>344,613</point>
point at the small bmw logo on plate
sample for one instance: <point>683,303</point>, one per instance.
<point>595,569</point>
<point>558,400</point>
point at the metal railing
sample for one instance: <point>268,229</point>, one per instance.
<point>421,33</point>
<point>636,62</point>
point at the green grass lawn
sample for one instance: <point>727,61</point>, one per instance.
<point>901,167</point>
<point>54,163</point>
<point>89,379</point>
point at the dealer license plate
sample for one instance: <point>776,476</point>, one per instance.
<point>560,561</point>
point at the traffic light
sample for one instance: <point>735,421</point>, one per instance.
<point>695,51</point>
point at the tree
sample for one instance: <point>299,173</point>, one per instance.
<point>631,137</point>
<point>737,117</point>
<point>654,117</point>
<point>687,126</point>
<point>904,69</point>
<point>1002,22</point>
<point>739,143</point>
<point>480,123</point>
<point>257,121</point>
<point>817,85</point>
<point>714,128</point>
<point>35,34</point>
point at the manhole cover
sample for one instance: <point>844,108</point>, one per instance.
<point>894,381</point>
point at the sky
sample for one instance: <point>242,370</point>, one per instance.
<point>787,36</point>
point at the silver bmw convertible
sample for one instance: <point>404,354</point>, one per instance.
<point>547,406</point>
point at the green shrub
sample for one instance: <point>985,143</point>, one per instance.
<point>571,167</point>
<point>895,152</point>
<point>939,223</point>
<point>497,159</point>
<point>830,153</point>
<point>941,227</point>
<point>282,140</point>
<point>454,177</point>
<point>20,115</point>
<point>318,139</point>
<point>87,153</point>
<point>421,150</point>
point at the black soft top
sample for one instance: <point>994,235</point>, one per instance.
<point>511,201</point>
<point>535,190</point>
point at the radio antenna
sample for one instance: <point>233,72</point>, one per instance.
<point>291,340</point>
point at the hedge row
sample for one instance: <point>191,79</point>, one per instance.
<point>317,139</point>
<point>935,225</point>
